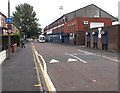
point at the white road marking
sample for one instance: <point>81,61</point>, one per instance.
<point>75,54</point>
<point>45,72</point>
<point>113,59</point>
<point>54,61</point>
<point>76,57</point>
<point>86,52</point>
<point>71,60</point>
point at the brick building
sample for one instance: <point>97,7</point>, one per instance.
<point>3,26</point>
<point>70,28</point>
<point>105,38</point>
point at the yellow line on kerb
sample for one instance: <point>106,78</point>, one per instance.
<point>38,60</point>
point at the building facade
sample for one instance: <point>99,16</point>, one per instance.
<point>4,26</point>
<point>70,28</point>
<point>106,38</point>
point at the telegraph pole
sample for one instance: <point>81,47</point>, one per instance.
<point>9,28</point>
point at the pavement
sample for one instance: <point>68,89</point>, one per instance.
<point>18,73</point>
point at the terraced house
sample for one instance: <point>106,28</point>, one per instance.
<point>4,34</point>
<point>3,26</point>
<point>71,27</point>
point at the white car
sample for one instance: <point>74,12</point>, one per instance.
<point>41,39</point>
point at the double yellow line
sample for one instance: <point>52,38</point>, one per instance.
<point>41,67</point>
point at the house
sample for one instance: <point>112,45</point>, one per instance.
<point>4,26</point>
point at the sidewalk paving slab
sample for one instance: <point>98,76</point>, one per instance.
<point>18,73</point>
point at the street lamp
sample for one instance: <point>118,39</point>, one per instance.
<point>61,8</point>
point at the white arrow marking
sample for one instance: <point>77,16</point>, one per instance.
<point>71,59</point>
<point>76,57</point>
<point>54,61</point>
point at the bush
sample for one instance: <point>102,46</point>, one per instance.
<point>33,37</point>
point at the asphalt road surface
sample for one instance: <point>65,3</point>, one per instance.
<point>72,69</point>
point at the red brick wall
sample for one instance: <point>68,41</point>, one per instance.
<point>79,26</point>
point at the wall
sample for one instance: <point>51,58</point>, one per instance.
<point>0,39</point>
<point>113,39</point>
<point>81,38</point>
<point>77,24</point>
<point>2,56</point>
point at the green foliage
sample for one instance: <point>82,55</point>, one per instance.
<point>24,18</point>
<point>33,37</point>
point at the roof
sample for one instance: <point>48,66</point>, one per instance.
<point>2,14</point>
<point>73,13</point>
<point>102,12</point>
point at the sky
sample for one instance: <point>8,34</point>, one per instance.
<point>48,11</point>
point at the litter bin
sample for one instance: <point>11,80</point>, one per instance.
<point>14,48</point>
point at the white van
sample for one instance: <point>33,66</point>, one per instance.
<point>41,39</point>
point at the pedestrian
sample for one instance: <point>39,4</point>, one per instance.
<point>23,43</point>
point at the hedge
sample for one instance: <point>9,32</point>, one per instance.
<point>14,39</point>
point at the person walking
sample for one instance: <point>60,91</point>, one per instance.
<point>23,43</point>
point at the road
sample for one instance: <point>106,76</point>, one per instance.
<point>72,69</point>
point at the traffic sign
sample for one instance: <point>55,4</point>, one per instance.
<point>9,31</point>
<point>8,20</point>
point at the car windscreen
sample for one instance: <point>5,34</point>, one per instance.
<point>42,38</point>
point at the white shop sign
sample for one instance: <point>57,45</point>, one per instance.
<point>95,24</point>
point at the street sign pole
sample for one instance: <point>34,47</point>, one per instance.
<point>9,37</point>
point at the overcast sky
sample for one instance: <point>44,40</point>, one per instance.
<point>48,10</point>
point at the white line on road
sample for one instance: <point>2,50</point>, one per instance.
<point>44,63</point>
<point>45,71</point>
<point>76,57</point>
<point>100,55</point>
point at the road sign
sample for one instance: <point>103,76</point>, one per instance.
<point>8,20</point>
<point>9,31</point>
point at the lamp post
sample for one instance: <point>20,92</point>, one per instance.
<point>9,28</point>
<point>61,8</point>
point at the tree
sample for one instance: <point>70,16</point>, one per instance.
<point>24,19</point>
